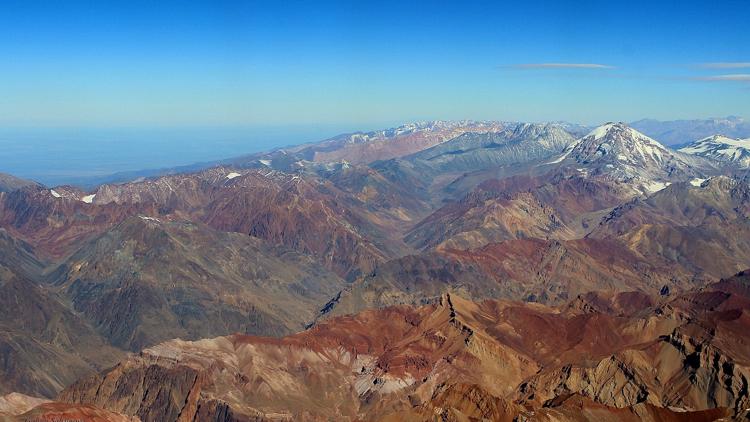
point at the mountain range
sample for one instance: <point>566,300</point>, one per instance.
<point>434,271</point>
<point>678,132</point>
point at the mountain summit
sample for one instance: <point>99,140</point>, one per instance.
<point>625,154</point>
<point>721,148</point>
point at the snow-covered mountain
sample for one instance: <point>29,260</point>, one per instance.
<point>721,148</point>
<point>366,147</point>
<point>623,153</point>
<point>517,144</point>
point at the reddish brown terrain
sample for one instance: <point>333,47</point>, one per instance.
<point>622,356</point>
<point>344,230</point>
<point>439,271</point>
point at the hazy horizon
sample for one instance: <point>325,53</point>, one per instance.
<point>71,155</point>
<point>95,88</point>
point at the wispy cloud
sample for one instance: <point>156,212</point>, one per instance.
<point>560,66</point>
<point>738,77</point>
<point>725,65</point>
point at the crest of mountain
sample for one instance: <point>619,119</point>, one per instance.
<point>623,154</point>
<point>146,280</point>
<point>721,148</point>
<point>352,148</point>
<point>623,356</point>
<point>520,143</point>
<point>362,148</point>
<point>679,132</point>
<point>10,183</point>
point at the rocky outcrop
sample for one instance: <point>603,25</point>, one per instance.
<point>621,357</point>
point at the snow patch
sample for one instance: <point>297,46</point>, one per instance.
<point>266,163</point>
<point>600,131</point>
<point>54,193</point>
<point>88,198</point>
<point>654,186</point>
<point>562,157</point>
<point>697,182</point>
<point>143,217</point>
<point>232,175</point>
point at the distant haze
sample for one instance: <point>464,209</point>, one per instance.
<point>60,156</point>
<point>82,156</point>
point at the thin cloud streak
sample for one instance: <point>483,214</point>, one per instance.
<point>725,65</point>
<point>740,77</point>
<point>561,66</point>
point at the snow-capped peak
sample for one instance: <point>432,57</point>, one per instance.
<point>722,148</point>
<point>600,131</point>
<point>621,152</point>
<point>608,129</point>
<point>616,142</point>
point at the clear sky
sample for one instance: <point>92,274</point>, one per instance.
<point>365,64</point>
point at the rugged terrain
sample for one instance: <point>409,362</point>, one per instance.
<point>679,356</point>
<point>438,270</point>
<point>721,148</point>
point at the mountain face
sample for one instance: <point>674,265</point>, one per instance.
<point>684,222</point>
<point>520,143</point>
<point>9,183</point>
<point>44,345</point>
<point>494,245</point>
<point>362,148</point>
<point>626,155</point>
<point>551,206</point>
<point>534,270</point>
<point>721,148</point>
<point>18,408</point>
<point>609,355</point>
<point>678,132</point>
<point>345,232</point>
<point>146,281</point>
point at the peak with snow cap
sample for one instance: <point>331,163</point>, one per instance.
<point>621,152</point>
<point>618,143</point>
<point>721,148</point>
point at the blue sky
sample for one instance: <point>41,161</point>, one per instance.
<point>368,64</point>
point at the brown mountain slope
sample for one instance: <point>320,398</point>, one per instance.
<point>44,346</point>
<point>551,206</point>
<point>644,357</point>
<point>705,228</point>
<point>56,412</point>
<point>546,271</point>
<point>9,183</point>
<point>146,281</point>
<point>348,230</point>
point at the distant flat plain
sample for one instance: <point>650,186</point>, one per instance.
<point>55,156</point>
